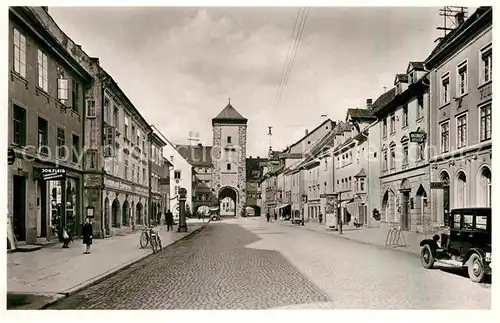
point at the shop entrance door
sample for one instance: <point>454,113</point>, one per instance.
<point>19,207</point>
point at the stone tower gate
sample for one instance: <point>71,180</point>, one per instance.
<point>229,157</point>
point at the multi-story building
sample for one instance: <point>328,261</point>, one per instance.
<point>229,158</point>
<point>316,167</point>
<point>47,88</point>
<point>254,173</point>
<point>404,173</point>
<point>293,158</point>
<point>181,175</point>
<point>164,183</point>
<point>156,173</point>
<point>200,158</point>
<point>124,155</point>
<point>460,119</point>
<point>351,164</point>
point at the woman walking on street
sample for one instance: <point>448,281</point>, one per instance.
<point>87,234</point>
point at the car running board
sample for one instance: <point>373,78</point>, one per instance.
<point>454,263</point>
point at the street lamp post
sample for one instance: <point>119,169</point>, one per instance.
<point>182,210</point>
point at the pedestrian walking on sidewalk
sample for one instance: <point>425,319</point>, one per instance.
<point>169,218</point>
<point>87,234</point>
<point>268,216</point>
<point>320,218</point>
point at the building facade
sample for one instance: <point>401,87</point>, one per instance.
<point>229,157</point>
<point>164,183</point>
<point>200,158</point>
<point>47,88</point>
<point>350,166</point>
<point>125,157</point>
<point>404,173</point>
<point>254,170</point>
<point>460,118</point>
<point>181,175</point>
<point>156,173</point>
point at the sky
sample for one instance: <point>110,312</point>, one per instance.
<point>179,66</point>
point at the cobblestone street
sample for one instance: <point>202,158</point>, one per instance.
<point>249,264</point>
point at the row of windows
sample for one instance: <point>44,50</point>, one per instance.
<point>135,172</point>
<point>420,155</point>
<point>19,136</point>
<point>462,85</point>
<point>346,184</point>
<point>461,129</point>
<point>405,120</point>
<point>20,50</point>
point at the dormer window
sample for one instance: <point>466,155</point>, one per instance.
<point>411,76</point>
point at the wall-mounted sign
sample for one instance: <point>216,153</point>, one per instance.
<point>53,174</point>
<point>417,136</point>
<point>117,185</point>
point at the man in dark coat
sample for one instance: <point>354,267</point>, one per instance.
<point>169,218</point>
<point>87,234</point>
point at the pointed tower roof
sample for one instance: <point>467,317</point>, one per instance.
<point>229,116</point>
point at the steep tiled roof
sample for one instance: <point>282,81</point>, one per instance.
<point>360,113</point>
<point>402,77</point>
<point>451,36</point>
<point>417,65</point>
<point>253,165</point>
<point>229,113</point>
<point>196,155</point>
<point>384,99</point>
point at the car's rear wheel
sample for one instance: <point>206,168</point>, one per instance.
<point>476,269</point>
<point>426,257</point>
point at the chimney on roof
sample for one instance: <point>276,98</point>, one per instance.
<point>369,104</point>
<point>258,157</point>
<point>200,145</point>
<point>250,157</point>
<point>307,132</point>
<point>459,18</point>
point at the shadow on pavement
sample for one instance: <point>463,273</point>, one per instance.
<point>459,272</point>
<point>210,270</point>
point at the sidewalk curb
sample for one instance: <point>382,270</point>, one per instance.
<point>351,239</point>
<point>99,278</point>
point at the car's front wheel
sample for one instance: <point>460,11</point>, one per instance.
<point>476,269</point>
<point>426,257</point>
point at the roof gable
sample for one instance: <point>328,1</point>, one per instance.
<point>417,66</point>
<point>230,115</point>
<point>196,155</point>
<point>401,78</point>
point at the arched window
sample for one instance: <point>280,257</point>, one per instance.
<point>461,190</point>
<point>484,187</point>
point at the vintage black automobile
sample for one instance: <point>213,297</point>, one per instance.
<point>467,244</point>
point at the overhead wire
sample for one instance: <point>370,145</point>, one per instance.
<point>298,39</point>
<point>288,57</point>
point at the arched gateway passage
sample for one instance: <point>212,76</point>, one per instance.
<point>231,194</point>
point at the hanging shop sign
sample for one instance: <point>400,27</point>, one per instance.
<point>53,174</point>
<point>417,136</point>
